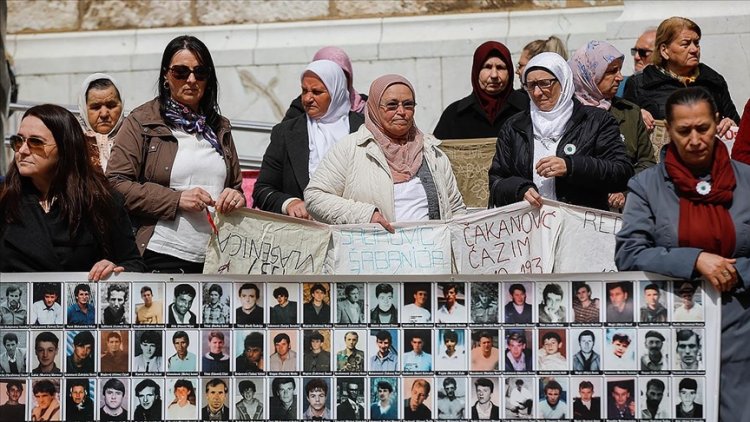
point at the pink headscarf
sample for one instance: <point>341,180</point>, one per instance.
<point>588,64</point>
<point>404,156</point>
<point>339,57</point>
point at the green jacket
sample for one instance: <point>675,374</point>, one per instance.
<point>637,142</point>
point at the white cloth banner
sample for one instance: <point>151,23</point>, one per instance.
<point>586,240</point>
<point>415,248</point>
<point>515,239</point>
<point>258,242</point>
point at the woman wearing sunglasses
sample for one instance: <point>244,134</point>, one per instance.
<point>297,145</point>
<point>677,65</point>
<point>386,171</point>
<point>56,210</point>
<point>559,149</point>
<point>174,160</point>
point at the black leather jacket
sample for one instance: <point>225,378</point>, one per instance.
<point>598,165</point>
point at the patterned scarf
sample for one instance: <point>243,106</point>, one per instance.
<point>185,119</point>
<point>685,80</point>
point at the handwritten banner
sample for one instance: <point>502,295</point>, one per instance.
<point>586,241</point>
<point>415,248</point>
<point>514,239</point>
<point>257,242</point>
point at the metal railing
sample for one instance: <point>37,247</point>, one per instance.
<point>246,163</point>
<point>242,125</point>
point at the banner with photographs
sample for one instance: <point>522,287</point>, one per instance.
<point>612,346</point>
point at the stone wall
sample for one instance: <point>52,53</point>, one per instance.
<point>35,16</point>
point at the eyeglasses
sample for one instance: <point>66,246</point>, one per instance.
<point>182,72</point>
<point>543,84</point>
<point>393,105</point>
<point>643,52</point>
<point>36,145</point>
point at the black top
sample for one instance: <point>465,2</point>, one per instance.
<point>254,317</point>
<point>651,88</point>
<point>42,242</point>
<point>285,171</point>
<point>465,118</point>
<point>309,316</point>
<point>591,147</point>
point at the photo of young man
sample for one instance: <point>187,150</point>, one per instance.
<point>250,310</point>
<point>46,309</point>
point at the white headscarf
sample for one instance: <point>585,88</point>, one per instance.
<point>104,142</point>
<point>550,125</point>
<point>323,133</point>
<point>82,107</point>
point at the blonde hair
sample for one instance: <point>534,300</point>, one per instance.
<point>667,32</point>
<point>551,44</point>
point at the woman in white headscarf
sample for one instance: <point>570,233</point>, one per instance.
<point>101,114</point>
<point>559,149</point>
<point>298,145</point>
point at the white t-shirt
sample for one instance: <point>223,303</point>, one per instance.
<point>197,164</point>
<point>546,185</point>
<point>410,200</point>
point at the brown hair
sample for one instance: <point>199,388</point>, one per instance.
<point>667,32</point>
<point>551,44</point>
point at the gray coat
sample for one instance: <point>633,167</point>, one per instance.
<point>648,241</point>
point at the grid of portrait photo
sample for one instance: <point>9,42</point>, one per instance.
<point>239,350</point>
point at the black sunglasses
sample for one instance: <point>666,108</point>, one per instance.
<point>182,72</point>
<point>643,52</point>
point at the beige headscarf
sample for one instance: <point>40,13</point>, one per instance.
<point>404,155</point>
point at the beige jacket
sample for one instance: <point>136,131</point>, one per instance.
<point>354,179</point>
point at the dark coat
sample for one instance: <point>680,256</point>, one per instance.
<point>310,317</point>
<point>192,319</point>
<point>526,357</point>
<point>344,411</point>
<point>598,166</point>
<point>254,317</point>
<point>494,413</point>
<point>651,88</point>
<point>422,413</point>
<point>37,245</point>
<point>513,317</point>
<point>638,145</point>
<point>206,413</point>
<point>285,171</point>
<point>582,412</point>
<point>296,108</point>
<point>465,118</point>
